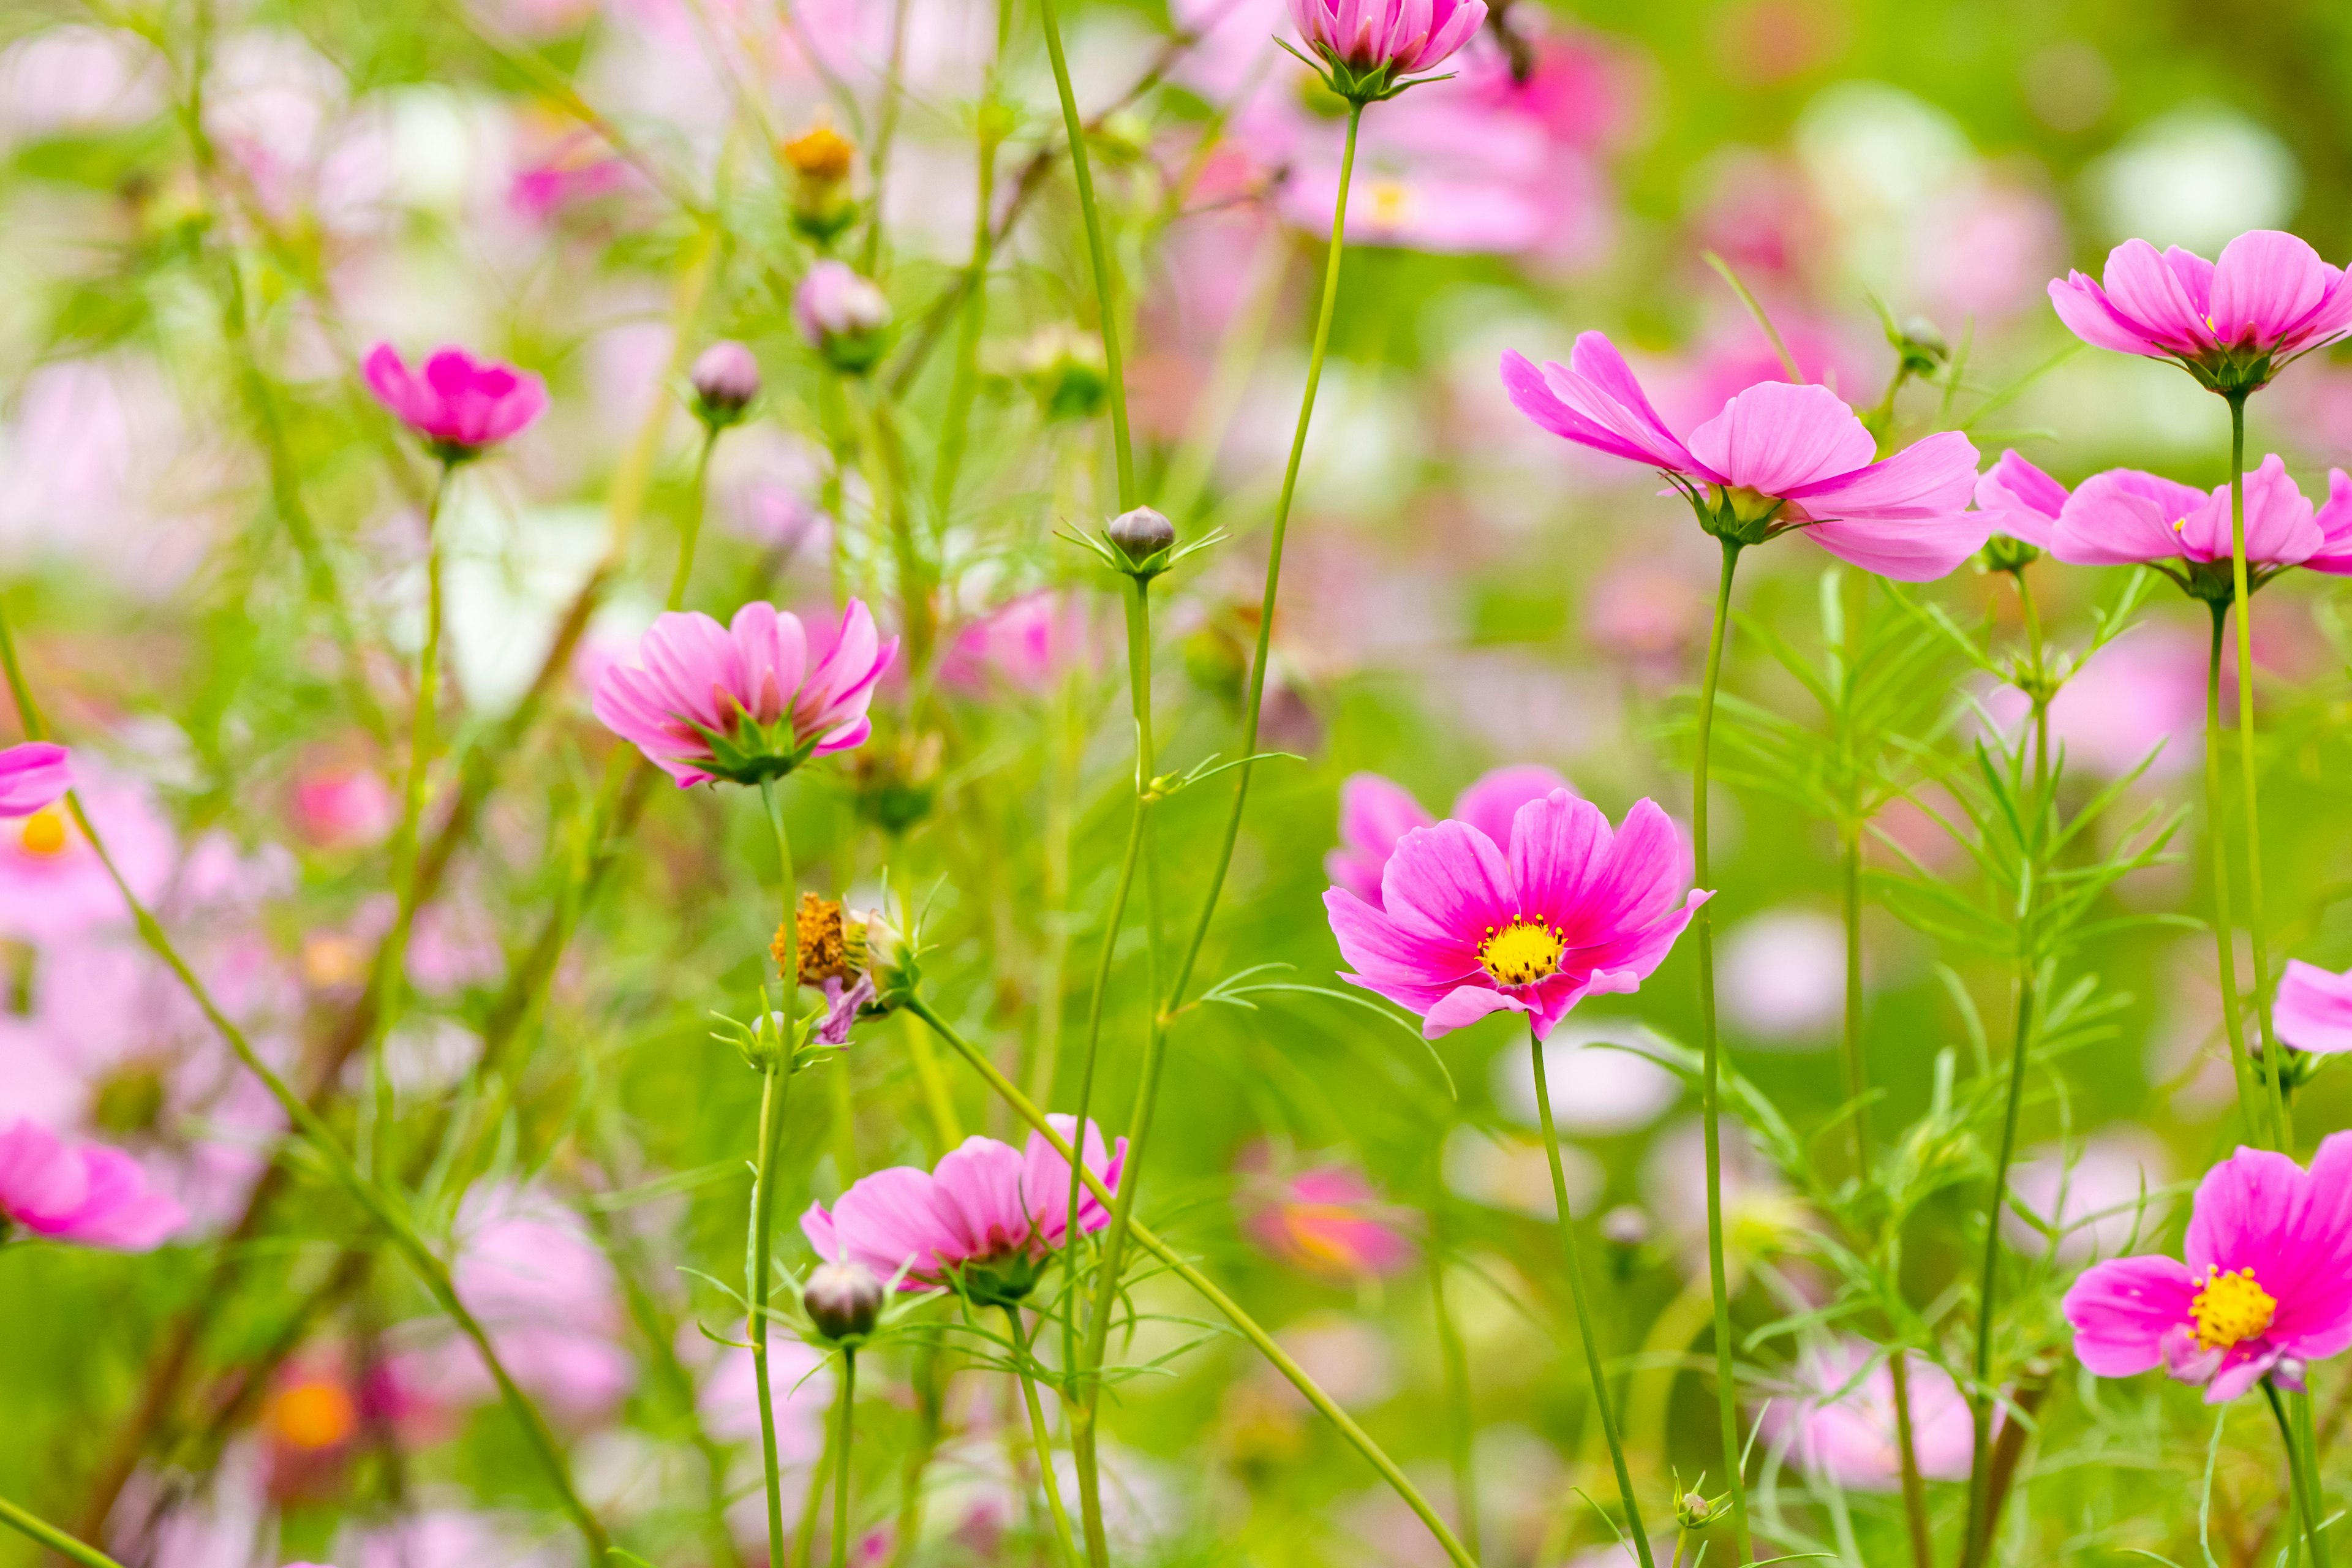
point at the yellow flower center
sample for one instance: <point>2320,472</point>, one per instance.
<point>44,833</point>
<point>2231,1308</point>
<point>1391,200</point>
<point>1521,953</point>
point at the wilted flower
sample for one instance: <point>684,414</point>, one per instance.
<point>32,777</point>
<point>1775,460</point>
<point>1571,910</point>
<point>83,1192</point>
<point>459,404</point>
<point>1375,812</point>
<point>741,703</point>
<point>841,315</point>
<point>2226,321</point>
<point>988,1214</point>
<point>1841,1425</point>
<point>2314,1010</point>
<point>2263,1287</point>
<point>726,378</point>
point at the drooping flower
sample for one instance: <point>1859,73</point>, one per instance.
<point>2314,1010</point>
<point>1368,46</point>
<point>1375,812</point>
<point>2124,517</point>
<point>1841,1423</point>
<point>742,702</point>
<point>459,404</point>
<point>2262,1288</point>
<point>1778,459</point>
<point>84,1193</point>
<point>988,1214</point>
<point>1328,1220</point>
<point>2227,322</point>
<point>1465,928</point>
<point>32,777</point>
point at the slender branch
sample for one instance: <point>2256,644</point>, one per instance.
<point>29,1523</point>
<point>1039,1435</point>
<point>1978,1541</point>
<point>1456,1363</point>
<point>2304,1483</point>
<point>841,1525</point>
<point>2233,1017</point>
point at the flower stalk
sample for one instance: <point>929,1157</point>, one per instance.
<point>1038,1436</point>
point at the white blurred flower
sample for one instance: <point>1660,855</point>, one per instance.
<point>1505,1171</point>
<point>1596,1085</point>
<point>1782,975</point>
<point>2093,1200</point>
<point>2195,177</point>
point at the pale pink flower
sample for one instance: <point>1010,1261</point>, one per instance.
<point>1776,458</point>
<point>1328,1219</point>
<point>1840,1423</point>
<point>2314,1009</point>
<point>1025,643</point>
<point>1782,974</point>
<point>2124,517</point>
<point>1375,812</point>
<point>32,777</point>
<point>744,702</point>
<point>2263,1287</point>
<point>52,884</point>
<point>458,403</point>
<point>2143,691</point>
<point>840,315</point>
<point>2226,321</point>
<point>987,1206</point>
<point>84,1193</point>
<point>1571,909</point>
<point>2096,1198</point>
<point>343,808</point>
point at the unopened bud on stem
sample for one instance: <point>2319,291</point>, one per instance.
<point>726,378</point>
<point>843,1299</point>
<point>1141,534</point>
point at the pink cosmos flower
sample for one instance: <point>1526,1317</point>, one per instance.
<point>458,403</point>
<point>986,1205</point>
<point>1375,812</point>
<point>2225,322</point>
<point>2124,517</point>
<point>32,777</point>
<point>1398,37</point>
<point>2264,1285</point>
<point>2024,502</point>
<point>1570,910</point>
<point>2314,1010</point>
<point>1841,1425</point>
<point>85,1192</point>
<point>744,702</point>
<point>1778,457</point>
<point>1328,1220</point>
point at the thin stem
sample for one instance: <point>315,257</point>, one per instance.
<point>1255,697</point>
<point>1038,1434</point>
<point>690,531</point>
<point>2040,695</point>
<point>1098,254</point>
<point>1978,1541</point>
<point>1592,1366</point>
<point>813,1503</point>
<point>2233,1018</point>
<point>2241,592</point>
<point>1176,1264</point>
<point>1711,1087</point>
<point>841,1528</point>
<point>758,1282</point>
<point>964,385</point>
<point>1850,1051</point>
<point>50,1536</point>
<point>1457,1401</point>
<point>1907,1448</point>
<point>2303,1482</point>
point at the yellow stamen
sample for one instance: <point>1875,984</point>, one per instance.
<point>2231,1308</point>
<point>1522,952</point>
<point>44,833</point>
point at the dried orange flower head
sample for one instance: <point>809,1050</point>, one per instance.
<point>824,945</point>
<point>821,154</point>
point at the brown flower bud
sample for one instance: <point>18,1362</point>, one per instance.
<point>843,1299</point>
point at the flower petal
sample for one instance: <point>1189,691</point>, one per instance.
<point>1775,438</point>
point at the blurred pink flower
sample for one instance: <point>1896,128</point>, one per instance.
<point>2265,1287</point>
<point>840,313</point>
<point>1738,355</point>
<point>1776,457</point>
<point>2142,692</point>
<point>1327,1220</point>
<point>742,702</point>
<point>1783,975</point>
<point>1375,812</point>
<point>34,776</point>
<point>2093,1198</point>
<point>52,884</point>
<point>459,404</point>
<point>986,1207</point>
<point>2124,517</point>
<point>1841,1423</point>
<point>1983,250</point>
<point>801,1391</point>
<point>338,807</point>
<point>1399,36</point>
<point>1025,643</point>
<point>2314,1010</point>
<point>1572,909</point>
<point>84,1193</point>
<point>75,78</point>
<point>568,176</point>
<point>2227,320</point>
<point>1644,613</point>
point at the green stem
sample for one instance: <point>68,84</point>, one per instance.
<point>2300,1478</point>
<point>962,385</point>
<point>2040,694</point>
<point>1038,1434</point>
<point>1711,1086</point>
<point>1978,1541</point>
<point>1592,1366</point>
<point>1098,254</point>
<point>758,1282</point>
<point>1850,1044</point>
<point>813,1503</point>
<point>840,1522</point>
<point>50,1536</point>
<point>1176,1264</point>
<point>691,530</point>
<point>1255,697</point>
<point>2233,1017</point>
<point>2241,590</point>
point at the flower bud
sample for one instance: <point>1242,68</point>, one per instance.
<point>1141,534</point>
<point>841,315</point>
<point>843,1299</point>
<point>1922,345</point>
<point>726,378</point>
<point>819,161</point>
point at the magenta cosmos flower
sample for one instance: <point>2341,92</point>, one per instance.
<point>1778,457</point>
<point>744,702</point>
<point>458,403</point>
<point>1366,45</point>
<point>32,777</point>
<point>988,1215</point>
<point>2226,321</point>
<point>2314,1010</point>
<point>2124,517</point>
<point>1375,812</point>
<point>1570,910</point>
<point>2264,1286</point>
<point>85,1192</point>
